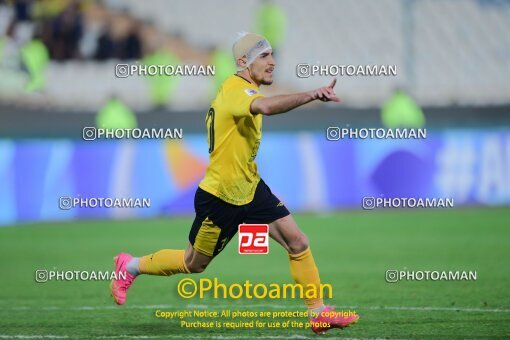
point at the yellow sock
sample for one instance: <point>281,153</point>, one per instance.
<point>305,272</point>
<point>164,262</point>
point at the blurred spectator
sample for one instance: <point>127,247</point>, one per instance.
<point>224,66</point>
<point>105,46</point>
<point>401,111</point>
<point>73,29</point>
<point>23,10</point>
<point>67,29</point>
<point>116,115</point>
<point>120,40</point>
<point>9,48</point>
<point>271,22</point>
<point>161,86</point>
<point>95,20</point>
<point>35,58</point>
<point>17,35</point>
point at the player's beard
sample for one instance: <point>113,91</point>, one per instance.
<point>261,80</point>
<point>266,82</point>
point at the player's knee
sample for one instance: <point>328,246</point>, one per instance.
<point>298,244</point>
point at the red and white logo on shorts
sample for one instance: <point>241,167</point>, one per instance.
<point>253,239</point>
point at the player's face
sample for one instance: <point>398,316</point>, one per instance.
<point>262,68</point>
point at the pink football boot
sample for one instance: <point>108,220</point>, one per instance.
<point>119,286</point>
<point>329,319</point>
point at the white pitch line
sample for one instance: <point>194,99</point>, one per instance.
<point>293,336</point>
<point>249,307</point>
<point>439,309</point>
<point>125,336</point>
<point>21,336</point>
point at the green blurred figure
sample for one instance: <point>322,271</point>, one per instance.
<point>224,66</point>
<point>161,86</point>
<point>35,57</point>
<point>271,22</point>
<point>400,110</point>
<point>116,115</point>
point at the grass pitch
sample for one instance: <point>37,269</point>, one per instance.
<point>352,250</point>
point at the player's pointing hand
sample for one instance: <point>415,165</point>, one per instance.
<point>326,93</point>
<point>333,83</point>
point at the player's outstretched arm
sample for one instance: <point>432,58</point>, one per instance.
<point>283,103</point>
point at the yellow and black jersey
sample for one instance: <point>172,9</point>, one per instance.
<point>234,135</point>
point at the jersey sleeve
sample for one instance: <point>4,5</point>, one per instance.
<point>240,100</point>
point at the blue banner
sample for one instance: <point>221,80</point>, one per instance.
<point>305,170</point>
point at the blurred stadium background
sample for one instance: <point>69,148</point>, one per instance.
<point>57,72</point>
<point>57,76</point>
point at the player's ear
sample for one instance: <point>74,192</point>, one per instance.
<point>242,62</point>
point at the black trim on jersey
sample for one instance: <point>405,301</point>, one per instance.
<point>243,78</point>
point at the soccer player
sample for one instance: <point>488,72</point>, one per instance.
<point>232,191</point>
